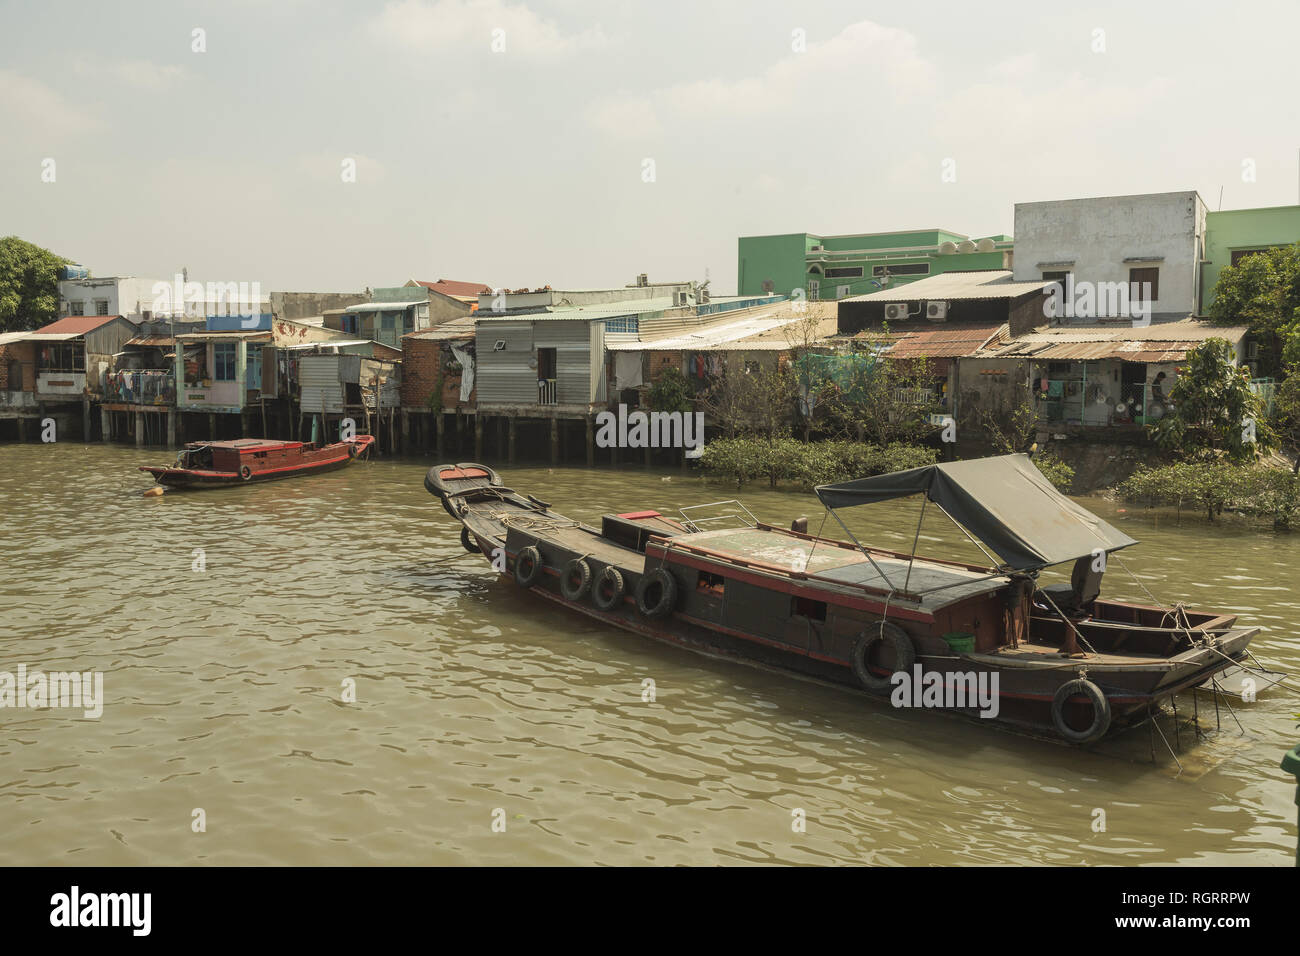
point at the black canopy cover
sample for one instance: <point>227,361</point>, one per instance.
<point>1004,501</point>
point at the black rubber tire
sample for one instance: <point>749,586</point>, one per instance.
<point>246,473</point>
<point>352,449</point>
<point>528,566</point>
<point>1100,711</point>
<point>660,582</point>
<point>608,590</point>
<point>904,655</point>
<point>467,541</point>
<point>580,569</point>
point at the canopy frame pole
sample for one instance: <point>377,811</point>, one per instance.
<point>993,562</point>
<point>925,499</point>
<point>879,569</point>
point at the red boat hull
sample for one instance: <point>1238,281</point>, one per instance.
<point>243,462</point>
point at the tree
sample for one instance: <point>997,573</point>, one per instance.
<point>874,397</point>
<point>1213,409</point>
<point>29,285</point>
<point>748,397</point>
<point>671,392</point>
<point>1286,416</point>
<point>1262,292</point>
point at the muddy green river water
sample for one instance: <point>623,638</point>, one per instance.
<point>489,727</point>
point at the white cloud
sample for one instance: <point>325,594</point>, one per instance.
<point>460,25</point>
<point>32,106</point>
<point>863,63</point>
<point>137,74</point>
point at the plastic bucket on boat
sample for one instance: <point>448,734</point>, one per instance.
<point>960,642</point>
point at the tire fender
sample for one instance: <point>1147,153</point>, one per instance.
<point>528,566</point>
<point>608,590</point>
<point>575,580</point>
<point>893,636</point>
<point>1100,711</point>
<point>656,593</point>
<point>246,473</point>
<point>467,541</point>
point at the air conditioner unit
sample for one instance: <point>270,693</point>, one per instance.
<point>896,311</point>
<point>936,311</point>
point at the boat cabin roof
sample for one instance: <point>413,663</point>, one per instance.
<point>770,550</point>
<point>249,444</point>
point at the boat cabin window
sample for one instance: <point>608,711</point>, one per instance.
<point>806,607</point>
<point>713,583</point>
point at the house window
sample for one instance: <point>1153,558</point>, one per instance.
<point>223,360</point>
<point>64,357</point>
<point>1240,254</point>
<point>1144,285</point>
<point>626,323</point>
<point>77,308</point>
<point>1061,277</point>
<point>349,324</point>
<point>101,307</point>
<point>845,272</point>
<point>905,269</point>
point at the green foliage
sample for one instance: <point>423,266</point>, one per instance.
<point>671,392</point>
<point>29,285</point>
<point>1213,410</point>
<point>1054,470</point>
<point>807,465</point>
<point>1286,413</point>
<point>1262,292</point>
<point>1213,487</point>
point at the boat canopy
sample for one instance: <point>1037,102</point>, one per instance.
<point>1004,501</point>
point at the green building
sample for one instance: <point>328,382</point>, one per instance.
<point>832,267</point>
<point>1233,234</point>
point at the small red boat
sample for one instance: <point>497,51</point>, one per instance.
<point>209,464</point>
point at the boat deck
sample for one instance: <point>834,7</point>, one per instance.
<point>773,550</point>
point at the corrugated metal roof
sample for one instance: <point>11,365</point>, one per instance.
<point>151,341</point>
<point>384,306</point>
<point>757,334</point>
<point>571,313</point>
<point>946,342</point>
<point>1180,330</point>
<point>948,286</point>
<point>455,288</point>
<point>76,324</point>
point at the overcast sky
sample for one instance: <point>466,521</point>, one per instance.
<point>528,165</point>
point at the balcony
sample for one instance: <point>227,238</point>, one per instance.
<point>546,392</point>
<point>142,387</point>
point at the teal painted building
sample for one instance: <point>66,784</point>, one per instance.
<point>1232,234</point>
<point>833,267</point>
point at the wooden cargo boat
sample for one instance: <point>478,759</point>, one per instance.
<point>1060,659</point>
<point>209,464</point>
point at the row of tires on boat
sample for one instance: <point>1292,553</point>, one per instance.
<point>655,596</point>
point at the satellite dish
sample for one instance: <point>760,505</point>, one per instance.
<point>947,248</point>
<point>985,245</point>
<point>966,246</point>
<point>1121,407</point>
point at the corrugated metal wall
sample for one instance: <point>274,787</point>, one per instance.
<point>507,377</point>
<point>319,378</point>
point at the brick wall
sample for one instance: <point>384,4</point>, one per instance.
<point>421,360</point>
<point>24,353</point>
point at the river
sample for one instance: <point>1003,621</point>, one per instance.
<point>230,624</point>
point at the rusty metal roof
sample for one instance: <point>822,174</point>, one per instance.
<point>152,341</point>
<point>947,342</point>
<point>75,325</point>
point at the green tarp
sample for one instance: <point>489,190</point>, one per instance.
<point>1004,501</point>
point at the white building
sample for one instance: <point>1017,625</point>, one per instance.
<point>1116,244</point>
<point>144,300</point>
